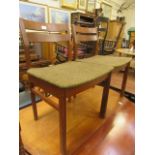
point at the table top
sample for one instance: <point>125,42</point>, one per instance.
<point>125,51</point>
<point>71,74</point>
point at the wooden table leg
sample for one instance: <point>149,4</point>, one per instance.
<point>105,95</point>
<point>62,124</point>
<point>125,76</point>
<point>34,106</point>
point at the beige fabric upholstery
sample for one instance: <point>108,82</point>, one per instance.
<point>114,61</point>
<point>70,74</point>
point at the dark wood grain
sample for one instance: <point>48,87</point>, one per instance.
<point>84,34</point>
<point>88,30</point>
<point>42,37</point>
<point>40,26</point>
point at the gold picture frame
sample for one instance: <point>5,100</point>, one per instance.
<point>82,4</point>
<point>91,6</point>
<point>51,3</point>
<point>107,10</point>
<point>72,4</point>
<point>33,11</point>
<point>58,16</point>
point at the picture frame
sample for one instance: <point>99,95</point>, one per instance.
<point>91,6</point>
<point>33,12</point>
<point>107,10</point>
<point>72,4</point>
<point>82,4</point>
<point>59,16</point>
<point>51,3</point>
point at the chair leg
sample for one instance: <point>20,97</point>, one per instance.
<point>125,76</point>
<point>34,106</point>
<point>62,124</point>
<point>105,95</point>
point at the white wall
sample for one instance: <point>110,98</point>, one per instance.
<point>130,20</point>
<point>115,7</point>
<point>129,13</point>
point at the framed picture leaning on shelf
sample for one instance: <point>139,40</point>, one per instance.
<point>82,4</point>
<point>107,10</point>
<point>34,12</point>
<point>91,6</point>
<point>52,3</point>
<point>72,4</point>
<point>59,16</point>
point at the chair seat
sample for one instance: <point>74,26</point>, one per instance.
<point>114,61</point>
<point>70,74</point>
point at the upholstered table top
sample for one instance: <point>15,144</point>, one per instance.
<point>114,61</point>
<point>70,74</point>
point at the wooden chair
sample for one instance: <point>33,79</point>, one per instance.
<point>102,24</point>
<point>115,136</point>
<point>82,34</point>
<point>63,80</point>
<point>112,36</point>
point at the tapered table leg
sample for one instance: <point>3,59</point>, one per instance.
<point>125,76</point>
<point>34,106</point>
<point>62,122</point>
<point>105,95</point>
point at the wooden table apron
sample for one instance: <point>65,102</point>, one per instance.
<point>62,94</point>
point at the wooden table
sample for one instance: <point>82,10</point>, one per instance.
<point>63,93</point>
<point>125,51</point>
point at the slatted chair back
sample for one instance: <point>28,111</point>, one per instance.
<point>102,23</point>
<point>113,34</point>
<point>39,32</point>
<point>84,34</point>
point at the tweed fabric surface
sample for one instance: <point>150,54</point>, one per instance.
<point>70,74</point>
<point>114,61</point>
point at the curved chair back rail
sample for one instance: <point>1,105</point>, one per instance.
<point>84,34</point>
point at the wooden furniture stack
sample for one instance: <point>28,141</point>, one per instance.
<point>82,19</point>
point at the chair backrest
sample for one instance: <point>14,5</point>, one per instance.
<point>102,24</point>
<point>114,30</point>
<point>84,34</point>
<point>38,32</point>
